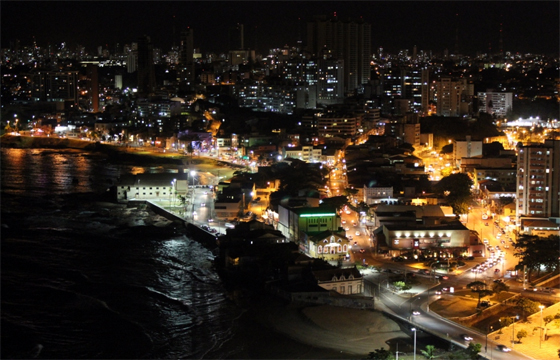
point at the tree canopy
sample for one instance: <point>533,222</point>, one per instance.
<point>535,252</point>
<point>380,354</point>
<point>500,287</point>
<point>456,189</point>
<point>480,288</point>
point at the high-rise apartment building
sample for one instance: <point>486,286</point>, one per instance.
<point>93,86</point>
<point>407,83</point>
<point>330,86</point>
<point>58,86</point>
<point>495,103</point>
<point>349,41</point>
<point>454,97</point>
<point>146,72</point>
<point>538,181</point>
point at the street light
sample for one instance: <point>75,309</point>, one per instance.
<point>486,346</point>
<point>174,190</point>
<point>513,331</point>
<point>193,173</point>
<point>540,339</point>
<point>414,331</point>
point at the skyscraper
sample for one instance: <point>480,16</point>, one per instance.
<point>538,181</point>
<point>146,73</point>
<point>349,41</point>
<point>454,96</point>
<point>186,58</point>
<point>93,86</point>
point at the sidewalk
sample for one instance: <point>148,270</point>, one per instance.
<point>533,345</point>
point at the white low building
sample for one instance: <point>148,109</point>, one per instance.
<point>153,186</point>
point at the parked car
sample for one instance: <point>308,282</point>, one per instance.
<point>466,337</point>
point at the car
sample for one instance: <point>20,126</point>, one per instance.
<point>202,204</point>
<point>496,270</point>
<point>503,348</point>
<point>347,228</point>
<point>484,304</point>
<point>498,235</point>
<point>498,280</point>
<point>416,312</point>
<point>210,220</point>
<point>445,277</point>
<point>344,221</point>
<point>350,237</point>
<point>445,289</point>
<point>438,292</point>
<point>355,243</point>
<point>466,337</point>
<point>485,241</point>
<point>357,233</point>
<point>362,251</point>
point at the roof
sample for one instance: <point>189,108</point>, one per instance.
<point>158,179</point>
<point>327,275</point>
<point>320,236</point>
<point>421,211</point>
<point>540,224</point>
<point>455,225</point>
<point>320,210</point>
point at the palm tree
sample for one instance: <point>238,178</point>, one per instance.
<point>430,352</point>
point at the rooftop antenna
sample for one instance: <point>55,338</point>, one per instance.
<point>456,34</point>
<point>173,30</point>
<point>501,40</point>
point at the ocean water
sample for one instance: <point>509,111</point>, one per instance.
<point>88,279</point>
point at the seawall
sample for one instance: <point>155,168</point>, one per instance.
<point>206,238</point>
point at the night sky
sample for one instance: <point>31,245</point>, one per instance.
<point>528,26</point>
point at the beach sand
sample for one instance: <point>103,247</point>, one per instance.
<point>343,332</point>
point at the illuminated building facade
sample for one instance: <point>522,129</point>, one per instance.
<point>538,182</point>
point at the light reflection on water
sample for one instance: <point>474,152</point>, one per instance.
<point>42,172</point>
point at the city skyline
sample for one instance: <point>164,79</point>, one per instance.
<point>469,27</point>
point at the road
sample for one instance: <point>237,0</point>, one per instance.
<point>377,285</point>
<point>405,305</point>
